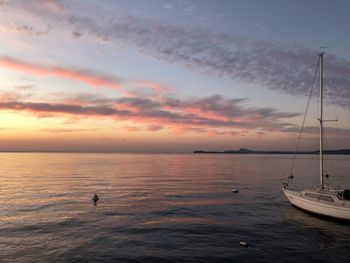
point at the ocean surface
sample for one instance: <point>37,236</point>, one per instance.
<point>163,208</point>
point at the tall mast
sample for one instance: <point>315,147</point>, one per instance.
<point>321,119</point>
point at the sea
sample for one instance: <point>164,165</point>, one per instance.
<point>164,208</point>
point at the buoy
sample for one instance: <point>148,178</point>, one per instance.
<point>235,191</point>
<point>243,244</point>
<point>95,199</point>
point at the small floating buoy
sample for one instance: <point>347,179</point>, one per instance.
<point>243,244</point>
<point>235,191</point>
<point>95,199</point>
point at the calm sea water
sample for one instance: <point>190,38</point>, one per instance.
<point>162,208</point>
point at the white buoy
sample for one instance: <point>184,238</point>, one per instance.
<point>243,244</point>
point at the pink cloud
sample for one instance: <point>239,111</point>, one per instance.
<point>128,107</point>
<point>259,134</point>
<point>91,78</point>
<point>233,133</point>
<point>154,115</point>
<point>132,129</point>
<point>150,85</point>
<point>55,5</point>
<point>215,133</point>
<point>205,114</point>
<point>178,130</point>
<point>154,127</point>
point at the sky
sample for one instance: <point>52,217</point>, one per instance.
<point>171,76</point>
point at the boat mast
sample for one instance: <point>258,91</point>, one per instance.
<point>321,120</point>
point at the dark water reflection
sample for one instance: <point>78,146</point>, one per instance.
<point>161,208</point>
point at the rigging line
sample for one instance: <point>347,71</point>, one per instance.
<point>307,108</point>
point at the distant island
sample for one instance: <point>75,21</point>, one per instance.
<point>247,151</point>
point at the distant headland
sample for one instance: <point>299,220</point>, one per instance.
<point>247,151</point>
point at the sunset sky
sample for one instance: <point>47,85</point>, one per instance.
<point>170,76</point>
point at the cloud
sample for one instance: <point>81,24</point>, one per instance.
<point>14,95</point>
<point>89,77</point>
<point>53,130</point>
<point>284,68</point>
<point>42,107</point>
<point>132,128</point>
<point>197,115</point>
<point>215,133</point>
<point>226,110</point>
<point>31,30</point>
<point>213,115</point>
<point>55,5</point>
<point>330,132</point>
<point>188,6</point>
<point>76,34</point>
<point>168,6</point>
<point>154,128</point>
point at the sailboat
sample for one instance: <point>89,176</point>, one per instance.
<point>323,200</point>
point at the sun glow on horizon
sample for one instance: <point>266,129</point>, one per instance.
<point>126,81</point>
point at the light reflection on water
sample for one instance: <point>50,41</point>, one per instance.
<point>164,207</point>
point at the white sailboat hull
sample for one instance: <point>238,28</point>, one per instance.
<point>335,210</point>
<point>324,200</point>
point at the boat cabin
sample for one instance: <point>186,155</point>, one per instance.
<point>346,194</point>
<point>329,197</point>
<point>324,197</point>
